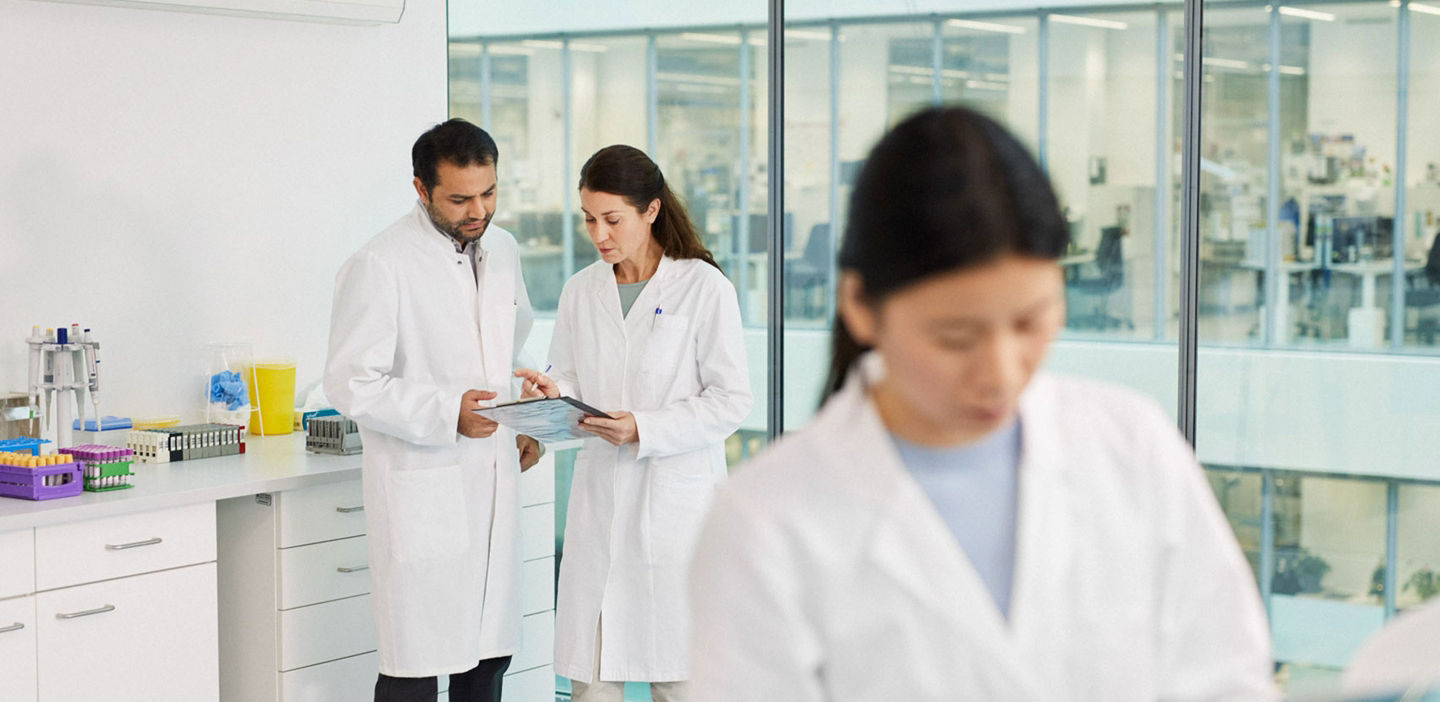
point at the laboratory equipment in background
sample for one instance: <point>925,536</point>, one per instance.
<point>17,416</point>
<point>303,417</point>
<point>64,365</point>
<point>109,431</point>
<point>105,467</point>
<point>186,443</point>
<point>333,434</point>
<point>272,390</point>
<point>39,477</point>
<point>22,445</point>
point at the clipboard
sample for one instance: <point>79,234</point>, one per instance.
<point>545,419</point>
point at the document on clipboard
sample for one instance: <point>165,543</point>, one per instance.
<point>545,419</point>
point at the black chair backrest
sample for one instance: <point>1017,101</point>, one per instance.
<point>817,247</point>
<point>1432,262</point>
<point>1108,255</point>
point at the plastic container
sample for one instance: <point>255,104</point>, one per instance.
<point>272,388</point>
<point>149,423</point>
<point>106,468</point>
<point>22,445</point>
<point>229,384</point>
<point>29,483</point>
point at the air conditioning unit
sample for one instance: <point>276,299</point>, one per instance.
<point>335,11</point>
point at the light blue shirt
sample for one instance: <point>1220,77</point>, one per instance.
<point>974,488</point>
<point>628,293</point>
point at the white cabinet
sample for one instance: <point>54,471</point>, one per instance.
<point>323,572</point>
<point>345,680</point>
<point>113,547</point>
<point>143,638</point>
<point>17,563</point>
<point>294,589</point>
<point>17,649</point>
<point>320,513</point>
<point>294,596</point>
<point>326,632</point>
<point>124,609</point>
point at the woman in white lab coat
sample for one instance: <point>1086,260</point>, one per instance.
<point>650,334</point>
<point>953,525</point>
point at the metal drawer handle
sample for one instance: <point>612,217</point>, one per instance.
<point>348,510</point>
<point>86,613</point>
<point>17,626</point>
<point>133,544</point>
<point>353,569</point>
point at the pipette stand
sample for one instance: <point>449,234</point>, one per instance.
<point>60,396</point>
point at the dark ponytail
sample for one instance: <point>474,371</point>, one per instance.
<point>946,189</point>
<point>626,171</point>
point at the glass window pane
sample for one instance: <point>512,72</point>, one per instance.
<point>1421,225</point>
<point>1101,155</point>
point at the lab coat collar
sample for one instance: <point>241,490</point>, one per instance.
<point>609,293</point>
<point>431,236</point>
<point>911,543</point>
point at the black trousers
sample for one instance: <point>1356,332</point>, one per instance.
<point>479,684</point>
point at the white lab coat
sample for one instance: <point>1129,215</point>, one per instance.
<point>409,334</point>
<point>824,572</point>
<point>677,362</point>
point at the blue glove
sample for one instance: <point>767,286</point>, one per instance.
<point>229,387</point>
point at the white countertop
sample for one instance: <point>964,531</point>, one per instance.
<point>270,464</point>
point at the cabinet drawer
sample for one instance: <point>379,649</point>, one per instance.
<point>326,632</point>
<point>17,563</point>
<point>17,649</point>
<point>344,680</point>
<point>321,513</point>
<point>141,639</point>
<point>537,642</point>
<point>537,485</point>
<point>113,547</point>
<point>537,586</point>
<point>318,572</point>
<point>537,532</point>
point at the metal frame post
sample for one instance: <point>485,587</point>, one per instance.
<point>567,218</point>
<point>775,324</point>
<point>1190,217</point>
<point>1273,335</point>
<point>1402,218</point>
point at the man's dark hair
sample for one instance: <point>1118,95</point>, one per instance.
<point>453,141</point>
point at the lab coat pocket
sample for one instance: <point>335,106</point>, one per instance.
<point>666,344</point>
<point>679,498</point>
<point>660,359</point>
<point>428,515</point>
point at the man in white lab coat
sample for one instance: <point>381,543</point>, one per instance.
<point>428,317</point>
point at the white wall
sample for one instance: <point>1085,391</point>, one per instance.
<point>173,179</point>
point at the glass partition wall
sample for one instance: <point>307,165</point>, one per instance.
<point>1318,286</point>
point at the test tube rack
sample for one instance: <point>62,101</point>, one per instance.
<point>32,477</point>
<point>333,434</point>
<point>186,443</point>
<point>106,467</point>
<point>22,445</point>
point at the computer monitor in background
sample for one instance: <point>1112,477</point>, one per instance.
<point>760,228</point>
<point>1372,232</point>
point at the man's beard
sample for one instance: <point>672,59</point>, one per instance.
<point>453,229</point>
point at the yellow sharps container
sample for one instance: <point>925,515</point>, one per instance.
<point>272,392</point>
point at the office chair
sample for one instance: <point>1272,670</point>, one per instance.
<point>1422,291</point>
<point>808,277</point>
<point>1109,277</point>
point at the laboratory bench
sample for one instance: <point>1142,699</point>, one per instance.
<point>235,578</point>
